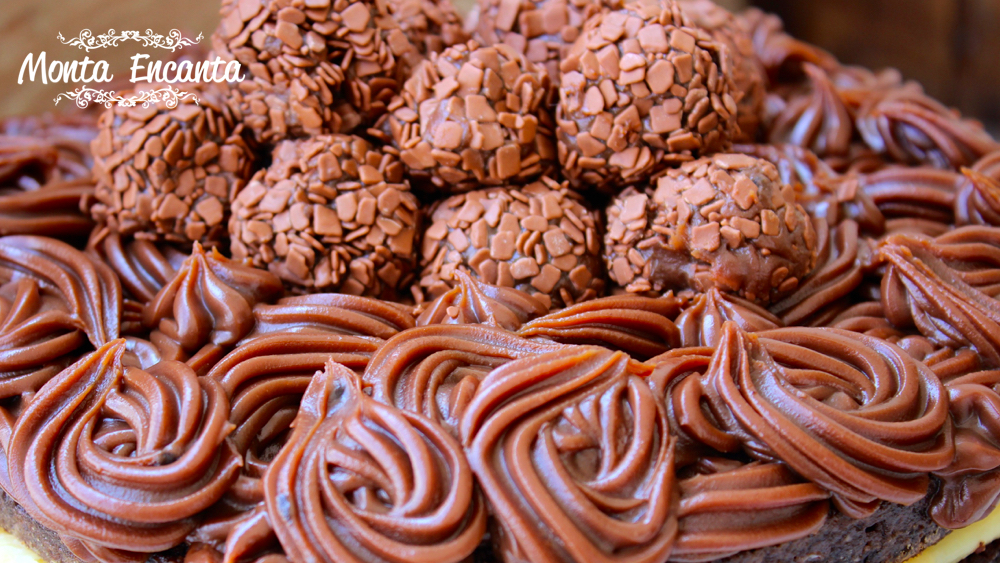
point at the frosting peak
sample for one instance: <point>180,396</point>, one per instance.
<point>474,302</point>
<point>210,301</point>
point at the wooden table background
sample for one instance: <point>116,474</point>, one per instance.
<point>951,46</point>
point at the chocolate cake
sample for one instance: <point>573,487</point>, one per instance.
<point>351,309</point>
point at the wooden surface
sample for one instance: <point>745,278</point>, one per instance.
<point>31,26</point>
<point>952,47</point>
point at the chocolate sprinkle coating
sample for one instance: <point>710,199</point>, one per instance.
<point>539,239</point>
<point>541,29</point>
<point>471,117</point>
<point>642,88</point>
<point>169,173</point>
<point>749,75</point>
<point>331,213</point>
<point>725,222</point>
<point>306,57</point>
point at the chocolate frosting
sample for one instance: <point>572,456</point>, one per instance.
<point>638,325</point>
<point>574,452</point>
<point>209,301</point>
<point>920,288</point>
<point>971,484</point>
<point>363,481</point>
<point>853,414</point>
<point>143,267</point>
<point>978,201</point>
<point>701,323</point>
<point>910,127</point>
<point>69,134</point>
<point>471,301</point>
<point>265,378</point>
<point>922,193</point>
<point>727,507</point>
<point>38,337</point>
<point>435,370</point>
<point>120,461</point>
<point>337,313</point>
<point>52,209</point>
<point>781,54</point>
<point>89,288</point>
<point>815,117</point>
<point>837,275</point>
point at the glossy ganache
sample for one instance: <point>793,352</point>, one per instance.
<point>574,453</point>
<point>436,370</point>
<point>209,302</point>
<point>363,481</point>
<point>945,288</point>
<point>639,325</point>
<point>853,414</point>
<point>120,461</point>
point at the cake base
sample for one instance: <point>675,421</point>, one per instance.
<point>45,543</point>
<point>894,534</point>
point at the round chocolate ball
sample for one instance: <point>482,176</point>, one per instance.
<point>724,222</point>
<point>470,117</point>
<point>331,213</point>
<point>640,89</point>
<point>543,30</point>
<point>305,57</point>
<point>749,75</point>
<point>538,238</point>
<point>169,173</point>
<point>430,25</point>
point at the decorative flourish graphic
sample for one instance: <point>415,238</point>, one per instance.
<point>84,96</point>
<point>87,40</point>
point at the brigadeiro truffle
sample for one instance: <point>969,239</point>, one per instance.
<point>169,173</point>
<point>725,222</point>
<point>642,88</point>
<point>538,238</point>
<point>305,56</point>
<point>541,29</point>
<point>331,213</point>
<point>472,116</point>
<point>749,74</point>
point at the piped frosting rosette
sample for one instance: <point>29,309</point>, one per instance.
<point>363,481</point>
<point>143,266</point>
<point>265,378</point>
<point>701,323</point>
<point>89,288</point>
<point>946,288</point>
<point>838,273</point>
<point>435,370</point>
<point>471,301</point>
<point>971,484</point>
<point>53,299</point>
<point>574,453</point>
<point>853,414</point>
<point>38,336</point>
<point>120,461</point>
